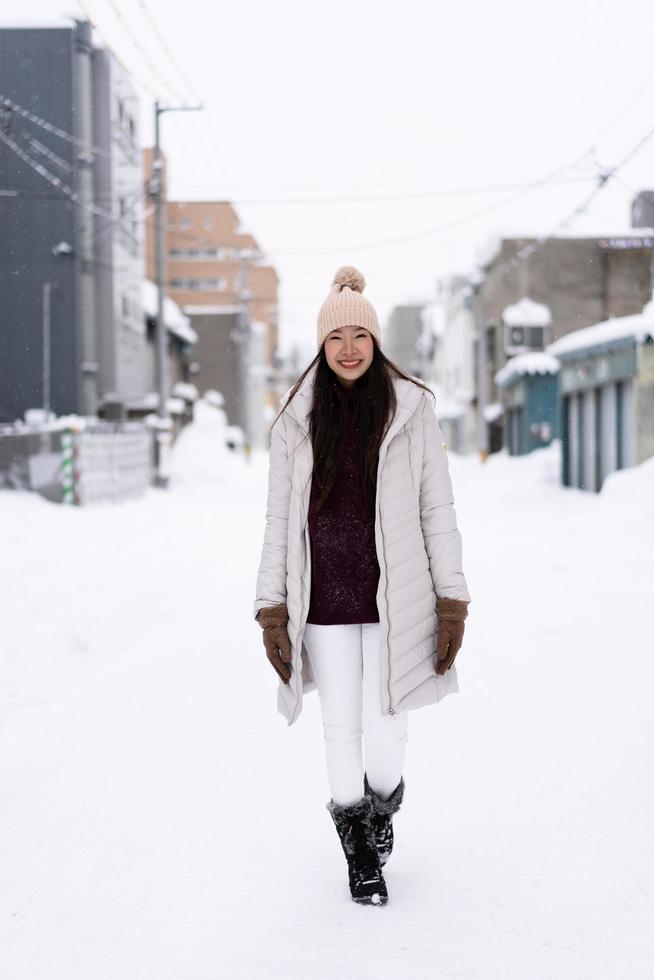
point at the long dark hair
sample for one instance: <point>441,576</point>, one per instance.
<point>374,405</point>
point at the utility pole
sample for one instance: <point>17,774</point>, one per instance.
<point>164,433</point>
<point>477,283</point>
<point>47,292</point>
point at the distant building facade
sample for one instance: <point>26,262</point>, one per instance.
<point>580,281</point>
<point>402,338</point>
<point>453,326</point>
<point>216,273</point>
<point>642,210</point>
<point>606,392</point>
<point>71,256</point>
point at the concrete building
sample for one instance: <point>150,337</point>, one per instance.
<point>403,335</point>
<point>642,210</point>
<point>606,391</point>
<point>580,281</point>
<point>452,323</point>
<point>70,245</point>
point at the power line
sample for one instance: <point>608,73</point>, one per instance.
<point>56,130</point>
<point>417,196</point>
<point>142,51</point>
<point>51,178</point>
<point>171,57</point>
<point>139,47</point>
<point>602,180</point>
<point>145,85</point>
<point>438,230</point>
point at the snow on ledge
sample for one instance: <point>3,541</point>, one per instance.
<point>527,313</point>
<point>531,362</point>
<point>639,328</point>
<point>493,411</point>
<point>176,322</point>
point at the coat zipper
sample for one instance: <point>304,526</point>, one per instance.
<point>390,702</point>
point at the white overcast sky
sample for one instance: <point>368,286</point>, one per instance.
<point>345,99</point>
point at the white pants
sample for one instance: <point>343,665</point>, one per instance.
<point>345,663</point>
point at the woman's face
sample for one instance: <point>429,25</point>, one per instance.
<point>349,352</point>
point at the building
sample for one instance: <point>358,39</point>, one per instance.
<point>572,282</point>
<point>216,272</point>
<point>606,391</point>
<point>453,326</point>
<point>642,210</point>
<point>529,390</point>
<point>70,240</point>
<point>403,339</point>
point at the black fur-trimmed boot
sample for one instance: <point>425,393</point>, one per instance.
<point>354,827</point>
<point>382,817</point>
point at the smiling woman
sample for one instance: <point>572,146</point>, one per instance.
<point>360,590</point>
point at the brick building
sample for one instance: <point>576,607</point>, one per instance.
<point>215,272</point>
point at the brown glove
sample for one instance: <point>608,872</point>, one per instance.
<point>451,615</point>
<point>273,620</point>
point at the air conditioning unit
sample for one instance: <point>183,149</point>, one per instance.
<point>518,340</point>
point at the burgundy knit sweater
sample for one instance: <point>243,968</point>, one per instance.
<point>344,566</point>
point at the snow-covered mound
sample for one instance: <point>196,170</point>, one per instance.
<point>200,451</point>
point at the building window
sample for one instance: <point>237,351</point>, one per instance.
<point>207,223</point>
<point>185,224</point>
<point>195,253</point>
<point>170,225</point>
<point>207,285</point>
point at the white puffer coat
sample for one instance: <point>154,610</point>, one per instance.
<point>418,547</point>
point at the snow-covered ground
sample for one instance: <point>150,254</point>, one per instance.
<point>159,819</point>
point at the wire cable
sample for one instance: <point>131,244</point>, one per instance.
<point>438,230</point>
<point>56,130</point>
<point>142,82</point>
<point>166,48</point>
<point>602,180</point>
<point>51,178</point>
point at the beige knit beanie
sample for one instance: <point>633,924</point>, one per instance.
<point>345,306</point>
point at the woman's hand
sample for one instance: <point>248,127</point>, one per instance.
<point>451,615</point>
<point>273,621</point>
<point>278,650</point>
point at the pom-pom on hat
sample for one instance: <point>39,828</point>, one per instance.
<point>346,306</point>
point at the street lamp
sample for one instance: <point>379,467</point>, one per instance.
<point>164,436</point>
<point>477,279</point>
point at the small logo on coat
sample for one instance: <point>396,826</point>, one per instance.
<point>444,447</point>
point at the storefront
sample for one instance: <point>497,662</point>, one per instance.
<point>529,391</point>
<point>606,398</point>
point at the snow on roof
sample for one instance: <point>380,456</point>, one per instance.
<point>607,237</point>
<point>527,313</point>
<point>488,250</point>
<point>206,309</point>
<point>493,411</point>
<point>175,406</point>
<point>183,389</point>
<point>176,322</point>
<point>531,362</point>
<point>637,328</point>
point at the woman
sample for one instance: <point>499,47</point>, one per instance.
<point>360,589</point>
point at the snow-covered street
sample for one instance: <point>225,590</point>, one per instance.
<point>159,819</point>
